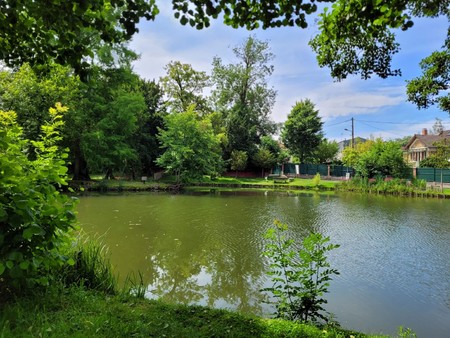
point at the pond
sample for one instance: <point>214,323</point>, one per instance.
<point>206,248</point>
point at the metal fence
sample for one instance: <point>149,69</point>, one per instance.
<point>427,174</point>
<point>433,175</point>
<point>312,169</point>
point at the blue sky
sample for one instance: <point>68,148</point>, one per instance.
<point>378,106</point>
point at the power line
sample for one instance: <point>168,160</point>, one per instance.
<point>416,123</point>
<point>335,124</point>
<point>380,129</point>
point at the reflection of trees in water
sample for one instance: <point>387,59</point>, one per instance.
<point>236,278</point>
<point>199,268</point>
<point>175,278</point>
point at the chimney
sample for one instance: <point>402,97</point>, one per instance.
<point>424,131</point>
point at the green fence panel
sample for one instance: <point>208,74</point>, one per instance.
<point>322,169</point>
<point>277,170</point>
<point>289,168</point>
<point>340,170</point>
<point>434,175</point>
<point>313,169</point>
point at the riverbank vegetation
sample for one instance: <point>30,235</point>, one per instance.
<point>76,311</point>
<point>400,187</point>
<point>84,300</point>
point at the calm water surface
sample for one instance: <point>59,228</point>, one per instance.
<point>205,248</point>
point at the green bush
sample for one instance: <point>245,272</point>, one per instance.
<point>35,218</point>
<point>316,180</point>
<point>300,277</point>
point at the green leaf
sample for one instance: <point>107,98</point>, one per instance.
<point>15,256</point>
<point>31,231</point>
<point>2,268</point>
<point>24,265</point>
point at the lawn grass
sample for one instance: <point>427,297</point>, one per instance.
<point>77,312</point>
<point>232,182</point>
<point>296,183</point>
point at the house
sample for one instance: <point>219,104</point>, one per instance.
<point>421,146</point>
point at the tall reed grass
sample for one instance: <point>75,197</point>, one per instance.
<point>92,267</point>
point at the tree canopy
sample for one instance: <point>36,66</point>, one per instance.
<point>184,86</point>
<point>302,132</point>
<point>376,158</point>
<point>243,96</point>
<point>190,147</point>
<point>357,37</point>
<point>42,32</point>
<point>432,86</point>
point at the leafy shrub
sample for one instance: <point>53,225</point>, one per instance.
<point>316,180</point>
<point>34,216</point>
<point>300,278</point>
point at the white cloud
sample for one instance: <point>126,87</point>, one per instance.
<point>335,99</point>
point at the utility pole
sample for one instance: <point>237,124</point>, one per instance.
<point>353,132</point>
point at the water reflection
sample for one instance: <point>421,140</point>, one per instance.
<point>205,248</point>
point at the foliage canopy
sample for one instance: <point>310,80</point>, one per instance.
<point>42,32</point>
<point>376,158</point>
<point>302,132</point>
<point>34,216</point>
<point>356,37</point>
<point>191,149</point>
<point>243,97</point>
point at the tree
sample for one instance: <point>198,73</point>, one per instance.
<point>356,37</point>
<point>145,139</point>
<point>432,87</point>
<point>30,95</point>
<point>302,132</point>
<point>242,95</point>
<point>190,147</point>
<point>184,86</point>
<point>108,147</point>
<point>65,32</point>
<point>351,155</point>
<point>439,159</point>
<point>238,160</point>
<point>105,119</point>
<point>381,159</point>
<point>437,127</point>
<point>35,216</point>
<point>264,159</point>
<point>326,152</point>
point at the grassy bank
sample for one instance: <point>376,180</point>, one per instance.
<point>78,312</point>
<point>308,184</point>
<point>84,300</point>
<point>168,183</point>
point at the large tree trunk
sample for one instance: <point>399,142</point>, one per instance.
<point>80,168</point>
